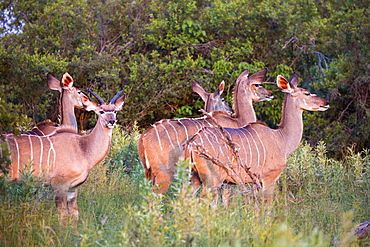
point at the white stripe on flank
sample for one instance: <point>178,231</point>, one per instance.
<point>242,142</point>
<point>223,138</point>
<point>54,155</point>
<point>209,124</point>
<point>16,172</point>
<point>41,151</point>
<point>168,135</point>
<point>250,148</point>
<point>159,139</point>
<point>211,138</point>
<point>31,147</point>
<point>198,124</point>
<point>258,152</point>
<point>263,145</point>
<point>186,129</point>
<point>176,134</point>
<point>146,161</point>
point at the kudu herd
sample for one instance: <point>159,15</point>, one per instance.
<point>160,147</point>
<point>261,150</point>
<point>243,146</point>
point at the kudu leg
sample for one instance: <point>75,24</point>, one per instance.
<point>72,204</point>
<point>162,181</point>
<point>268,188</point>
<point>195,182</point>
<point>211,185</point>
<point>61,197</point>
<point>227,192</point>
<point>66,203</point>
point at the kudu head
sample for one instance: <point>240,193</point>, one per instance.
<point>66,89</point>
<point>106,111</point>
<point>213,101</point>
<point>302,97</point>
<point>253,85</point>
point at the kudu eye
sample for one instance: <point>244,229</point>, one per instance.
<point>101,112</point>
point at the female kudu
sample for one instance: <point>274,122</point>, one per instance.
<point>261,150</point>
<point>64,158</point>
<point>161,146</point>
<point>70,98</point>
<point>212,101</point>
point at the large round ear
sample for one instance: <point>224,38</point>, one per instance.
<point>67,81</point>
<point>199,90</point>
<point>259,77</point>
<point>284,85</point>
<point>243,76</point>
<point>120,101</point>
<point>53,83</point>
<point>220,88</point>
<point>294,81</point>
<point>89,105</point>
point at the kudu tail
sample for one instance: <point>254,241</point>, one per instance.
<point>142,156</point>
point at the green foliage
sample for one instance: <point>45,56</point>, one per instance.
<point>153,50</point>
<point>27,189</point>
<point>318,201</point>
<point>11,120</point>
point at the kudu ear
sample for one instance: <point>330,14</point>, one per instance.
<point>199,90</point>
<point>53,83</point>
<point>120,101</point>
<point>284,85</point>
<point>67,81</point>
<point>243,76</point>
<point>220,88</point>
<point>259,77</point>
<point>294,81</point>
<point>89,105</point>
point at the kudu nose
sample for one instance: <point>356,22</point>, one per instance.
<point>112,122</point>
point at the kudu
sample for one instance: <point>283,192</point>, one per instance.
<point>160,147</point>
<point>64,158</point>
<point>212,101</point>
<point>70,98</point>
<point>261,150</point>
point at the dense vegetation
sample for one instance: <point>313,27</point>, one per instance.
<point>319,201</point>
<point>154,49</point>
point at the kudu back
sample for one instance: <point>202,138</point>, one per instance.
<point>64,158</point>
<point>261,149</point>
<point>160,147</point>
<point>70,98</point>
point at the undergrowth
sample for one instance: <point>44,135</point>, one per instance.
<point>318,202</point>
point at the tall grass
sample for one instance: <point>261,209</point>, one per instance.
<point>318,201</point>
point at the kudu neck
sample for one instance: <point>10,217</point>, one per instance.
<point>67,111</point>
<point>291,125</point>
<point>243,105</point>
<point>98,142</point>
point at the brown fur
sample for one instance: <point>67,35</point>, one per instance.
<point>70,98</point>
<point>160,148</point>
<point>64,158</point>
<point>259,148</point>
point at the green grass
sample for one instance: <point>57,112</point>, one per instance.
<point>317,201</point>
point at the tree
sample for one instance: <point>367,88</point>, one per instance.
<point>154,49</point>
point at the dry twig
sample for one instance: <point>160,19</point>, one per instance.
<point>227,167</point>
